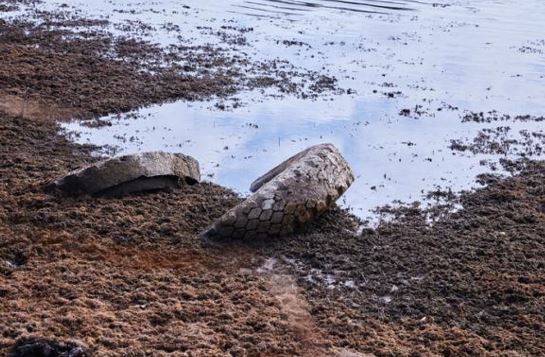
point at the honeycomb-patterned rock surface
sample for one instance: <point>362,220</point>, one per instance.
<point>288,196</point>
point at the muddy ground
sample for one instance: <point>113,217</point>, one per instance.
<point>58,65</point>
<point>128,277</point>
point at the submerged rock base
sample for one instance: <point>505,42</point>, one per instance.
<point>287,197</point>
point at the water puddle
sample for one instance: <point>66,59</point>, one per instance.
<point>411,69</point>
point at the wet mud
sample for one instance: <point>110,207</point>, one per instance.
<point>435,282</point>
<point>502,139</point>
<point>128,275</point>
<point>58,65</point>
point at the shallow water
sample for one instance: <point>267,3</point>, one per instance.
<point>473,55</point>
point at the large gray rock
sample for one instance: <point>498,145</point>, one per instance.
<point>289,196</point>
<point>132,173</point>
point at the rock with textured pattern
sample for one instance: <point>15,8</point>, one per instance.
<point>131,173</point>
<point>287,197</point>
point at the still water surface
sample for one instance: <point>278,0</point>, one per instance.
<point>475,55</point>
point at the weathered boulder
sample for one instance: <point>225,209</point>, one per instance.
<point>287,197</point>
<point>132,173</point>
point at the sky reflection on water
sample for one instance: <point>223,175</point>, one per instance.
<point>470,54</point>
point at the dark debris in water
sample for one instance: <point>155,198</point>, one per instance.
<point>494,116</point>
<point>501,141</point>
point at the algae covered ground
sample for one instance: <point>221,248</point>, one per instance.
<point>129,277</point>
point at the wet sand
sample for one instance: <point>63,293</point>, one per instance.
<point>129,276</point>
